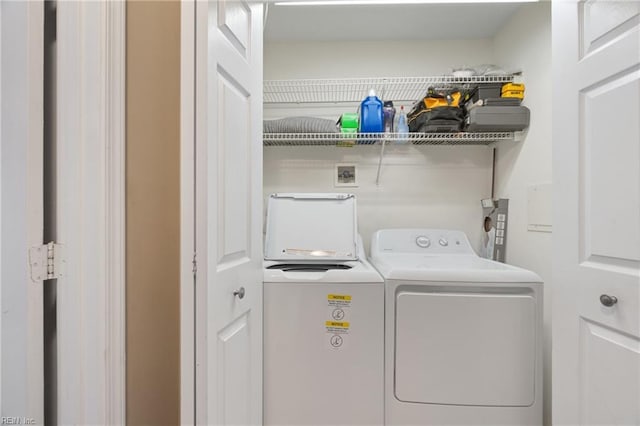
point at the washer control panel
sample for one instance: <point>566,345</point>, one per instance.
<point>427,241</point>
<point>423,241</point>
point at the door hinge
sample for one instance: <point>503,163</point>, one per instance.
<point>194,263</point>
<point>46,262</point>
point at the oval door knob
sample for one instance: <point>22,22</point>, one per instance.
<point>239,292</point>
<point>608,301</point>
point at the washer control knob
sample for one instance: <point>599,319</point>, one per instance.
<point>443,242</point>
<point>423,241</point>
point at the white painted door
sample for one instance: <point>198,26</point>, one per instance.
<point>229,212</point>
<point>596,168</point>
<point>21,211</point>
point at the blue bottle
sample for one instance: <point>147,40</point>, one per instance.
<point>371,116</point>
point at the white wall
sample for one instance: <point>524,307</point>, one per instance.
<point>437,187</point>
<point>413,58</point>
<point>525,42</point>
<point>427,186</point>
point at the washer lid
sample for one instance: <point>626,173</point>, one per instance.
<point>311,227</point>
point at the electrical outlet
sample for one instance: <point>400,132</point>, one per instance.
<point>346,175</point>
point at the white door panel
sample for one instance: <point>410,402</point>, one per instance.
<point>234,21</point>
<point>21,211</point>
<point>602,21</point>
<point>234,380</point>
<point>596,153</point>
<point>229,212</point>
<point>234,148</point>
<point>609,391</point>
<point>609,142</point>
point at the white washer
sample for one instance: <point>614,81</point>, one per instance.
<point>323,315</point>
<point>463,334</point>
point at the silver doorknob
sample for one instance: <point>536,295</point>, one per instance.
<point>608,301</point>
<point>239,292</point>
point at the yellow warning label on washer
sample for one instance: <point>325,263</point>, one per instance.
<point>338,328</point>
<point>339,297</point>
<point>341,301</point>
<point>337,324</point>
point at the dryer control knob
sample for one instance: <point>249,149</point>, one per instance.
<point>443,242</point>
<point>423,241</point>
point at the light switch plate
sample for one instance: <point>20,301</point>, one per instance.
<point>539,208</point>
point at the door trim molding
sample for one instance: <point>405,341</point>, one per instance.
<point>187,213</point>
<point>201,157</point>
<point>115,114</point>
<point>91,58</point>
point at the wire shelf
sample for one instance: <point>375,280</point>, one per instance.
<point>363,139</point>
<point>406,89</point>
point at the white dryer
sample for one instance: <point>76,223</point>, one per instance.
<point>323,315</point>
<point>463,334</point>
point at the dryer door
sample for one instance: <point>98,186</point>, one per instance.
<point>465,345</point>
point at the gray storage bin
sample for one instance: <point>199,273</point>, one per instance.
<point>497,119</point>
<point>487,91</point>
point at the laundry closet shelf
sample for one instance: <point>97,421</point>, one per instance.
<point>397,89</point>
<point>371,139</point>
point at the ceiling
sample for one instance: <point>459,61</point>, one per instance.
<point>456,21</point>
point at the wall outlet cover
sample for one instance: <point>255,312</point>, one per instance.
<point>346,175</point>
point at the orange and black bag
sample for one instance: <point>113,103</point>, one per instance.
<point>438,111</point>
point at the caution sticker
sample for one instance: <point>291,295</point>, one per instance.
<point>338,323</point>
<point>339,298</point>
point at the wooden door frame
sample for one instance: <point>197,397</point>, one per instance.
<point>91,124</point>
